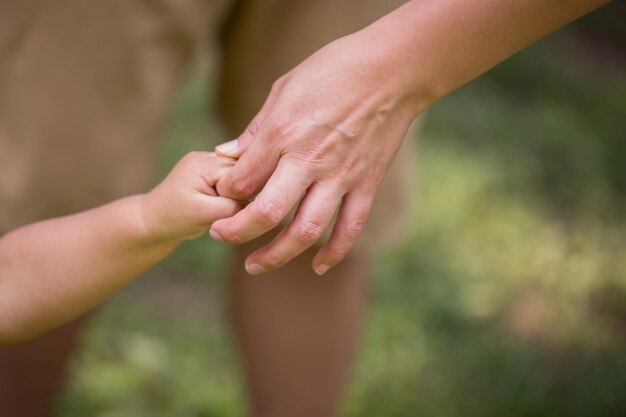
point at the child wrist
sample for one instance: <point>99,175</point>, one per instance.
<point>147,231</point>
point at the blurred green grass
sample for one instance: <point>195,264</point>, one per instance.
<point>509,297</point>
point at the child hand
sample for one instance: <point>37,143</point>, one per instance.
<point>185,204</point>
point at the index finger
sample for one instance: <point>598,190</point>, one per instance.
<point>252,170</point>
<point>281,193</point>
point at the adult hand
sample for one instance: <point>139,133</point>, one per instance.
<point>330,128</point>
<point>325,137</point>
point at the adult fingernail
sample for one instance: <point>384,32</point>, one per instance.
<point>322,269</point>
<point>228,148</point>
<point>254,269</point>
<point>216,236</point>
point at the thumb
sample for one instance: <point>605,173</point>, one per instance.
<point>236,147</point>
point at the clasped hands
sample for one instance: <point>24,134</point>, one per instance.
<point>322,141</point>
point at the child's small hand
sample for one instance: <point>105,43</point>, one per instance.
<point>185,204</point>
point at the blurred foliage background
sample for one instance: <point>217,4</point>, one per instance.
<point>509,298</point>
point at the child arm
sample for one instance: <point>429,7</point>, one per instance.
<point>55,270</point>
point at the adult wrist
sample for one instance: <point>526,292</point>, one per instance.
<point>402,80</point>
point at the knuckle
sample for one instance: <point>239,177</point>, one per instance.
<point>345,172</point>
<point>271,262</point>
<point>376,176</point>
<point>352,230</point>
<point>278,84</point>
<point>308,232</point>
<point>232,236</point>
<point>316,153</point>
<point>270,212</point>
<point>333,254</point>
<point>253,127</point>
<point>195,160</point>
<point>314,159</point>
<point>186,161</point>
<point>242,188</point>
<point>193,156</point>
<point>283,130</point>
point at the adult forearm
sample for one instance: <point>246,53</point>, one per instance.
<point>432,47</point>
<point>55,270</point>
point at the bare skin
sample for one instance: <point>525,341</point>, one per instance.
<point>331,127</point>
<point>55,270</point>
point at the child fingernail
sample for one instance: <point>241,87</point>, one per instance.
<point>254,269</point>
<point>215,235</point>
<point>228,148</point>
<point>322,269</point>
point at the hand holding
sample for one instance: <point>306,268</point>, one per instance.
<point>185,204</point>
<point>324,138</point>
